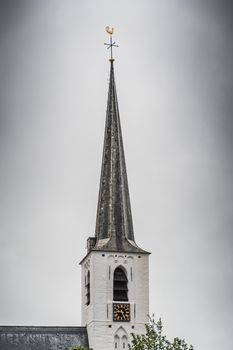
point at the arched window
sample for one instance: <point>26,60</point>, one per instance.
<point>124,342</point>
<point>117,342</point>
<point>121,339</point>
<point>87,280</point>
<point>120,289</point>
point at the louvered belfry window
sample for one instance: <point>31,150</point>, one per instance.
<point>88,288</point>
<point>120,288</point>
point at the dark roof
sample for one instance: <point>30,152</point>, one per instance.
<point>42,338</point>
<point>114,225</point>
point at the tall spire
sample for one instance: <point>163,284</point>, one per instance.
<point>114,225</point>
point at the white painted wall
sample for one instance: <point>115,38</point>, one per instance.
<point>98,316</point>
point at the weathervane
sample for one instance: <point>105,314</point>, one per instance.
<point>110,45</point>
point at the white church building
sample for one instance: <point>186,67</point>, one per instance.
<point>115,271</point>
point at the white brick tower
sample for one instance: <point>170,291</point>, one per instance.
<point>115,284</point>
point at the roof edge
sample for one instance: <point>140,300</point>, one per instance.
<point>141,252</point>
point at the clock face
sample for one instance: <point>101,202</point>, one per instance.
<point>121,312</point>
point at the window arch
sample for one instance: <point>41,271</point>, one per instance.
<point>121,339</point>
<point>124,342</point>
<point>116,342</point>
<point>120,285</point>
<point>87,282</point>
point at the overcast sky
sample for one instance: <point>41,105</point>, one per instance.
<point>174,81</point>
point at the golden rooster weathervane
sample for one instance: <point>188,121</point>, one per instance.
<point>110,45</point>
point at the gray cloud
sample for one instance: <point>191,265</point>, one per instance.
<point>174,80</point>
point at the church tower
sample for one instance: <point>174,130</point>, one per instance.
<point>115,274</point>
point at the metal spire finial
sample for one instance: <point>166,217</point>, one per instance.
<point>110,45</point>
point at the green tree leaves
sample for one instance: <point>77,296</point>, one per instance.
<point>155,340</point>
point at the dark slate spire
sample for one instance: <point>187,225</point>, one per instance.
<point>114,225</point>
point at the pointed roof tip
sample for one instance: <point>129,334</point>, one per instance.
<point>114,225</point>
